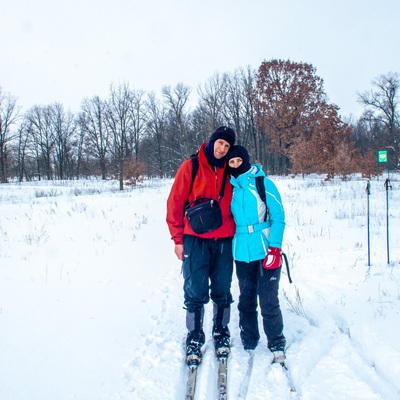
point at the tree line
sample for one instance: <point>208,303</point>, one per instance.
<point>280,113</point>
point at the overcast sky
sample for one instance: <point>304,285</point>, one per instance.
<point>63,51</point>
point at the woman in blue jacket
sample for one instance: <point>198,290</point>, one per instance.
<point>257,252</point>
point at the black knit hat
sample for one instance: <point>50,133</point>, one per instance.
<point>239,151</point>
<point>225,133</point>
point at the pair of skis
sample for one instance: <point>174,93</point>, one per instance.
<point>244,386</point>
<point>222,379</point>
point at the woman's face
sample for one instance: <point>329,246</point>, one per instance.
<point>235,162</point>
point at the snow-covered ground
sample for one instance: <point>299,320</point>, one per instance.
<point>91,296</point>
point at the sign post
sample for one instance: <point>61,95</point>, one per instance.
<point>382,157</point>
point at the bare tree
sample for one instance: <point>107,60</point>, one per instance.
<point>368,133</point>
<point>382,105</point>
<point>153,144</point>
<point>9,113</point>
<point>21,153</point>
<point>79,145</point>
<point>64,128</point>
<point>178,123</point>
<point>92,120</point>
<point>41,128</point>
<point>250,133</point>
<point>119,123</point>
<point>212,99</point>
<point>239,107</point>
<point>138,118</point>
<point>232,105</point>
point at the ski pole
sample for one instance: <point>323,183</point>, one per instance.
<point>287,267</point>
<point>368,191</point>
<point>387,186</point>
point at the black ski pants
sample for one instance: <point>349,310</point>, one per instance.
<point>257,283</point>
<point>207,272</point>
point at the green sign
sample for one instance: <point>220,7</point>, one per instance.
<point>382,156</point>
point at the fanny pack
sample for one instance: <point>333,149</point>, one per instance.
<point>204,214</point>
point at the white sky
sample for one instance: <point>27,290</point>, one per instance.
<point>65,51</point>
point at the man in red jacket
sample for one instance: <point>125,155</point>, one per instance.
<point>207,257</point>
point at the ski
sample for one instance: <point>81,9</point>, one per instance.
<point>244,386</point>
<point>289,379</point>
<point>191,382</point>
<point>222,378</point>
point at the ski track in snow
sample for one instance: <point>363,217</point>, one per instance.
<point>347,370</point>
<point>341,318</point>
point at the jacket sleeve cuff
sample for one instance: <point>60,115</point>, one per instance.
<point>178,240</point>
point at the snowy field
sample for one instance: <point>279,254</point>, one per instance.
<point>91,296</point>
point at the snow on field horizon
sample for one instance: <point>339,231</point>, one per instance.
<point>91,299</point>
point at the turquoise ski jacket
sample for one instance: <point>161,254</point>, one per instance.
<point>253,234</point>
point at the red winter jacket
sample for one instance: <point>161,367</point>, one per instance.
<point>206,184</point>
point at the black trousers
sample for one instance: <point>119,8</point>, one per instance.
<point>207,272</point>
<point>258,284</point>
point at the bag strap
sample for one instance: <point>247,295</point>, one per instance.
<point>195,168</point>
<point>221,192</point>
<point>261,192</point>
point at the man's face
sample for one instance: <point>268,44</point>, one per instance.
<point>221,147</point>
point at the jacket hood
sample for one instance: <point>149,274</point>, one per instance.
<point>253,172</point>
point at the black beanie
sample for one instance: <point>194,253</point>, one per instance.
<point>224,132</point>
<point>239,151</point>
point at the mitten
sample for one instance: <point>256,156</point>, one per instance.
<point>273,258</point>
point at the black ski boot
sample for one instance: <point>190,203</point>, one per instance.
<point>194,342</point>
<point>222,338</point>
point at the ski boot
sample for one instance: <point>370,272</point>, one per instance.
<point>279,357</point>
<point>194,343</point>
<point>222,337</point>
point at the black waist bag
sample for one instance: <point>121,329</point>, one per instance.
<point>204,215</point>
